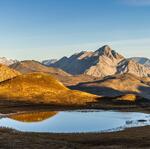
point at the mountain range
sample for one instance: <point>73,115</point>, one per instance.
<point>29,66</point>
<point>6,61</point>
<point>100,63</point>
<point>49,62</point>
<point>99,74</point>
<point>142,60</point>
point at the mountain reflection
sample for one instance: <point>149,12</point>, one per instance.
<point>33,116</point>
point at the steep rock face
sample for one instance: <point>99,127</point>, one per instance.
<point>7,62</point>
<point>7,73</point>
<point>106,63</point>
<point>100,63</point>
<point>103,62</point>
<point>76,64</point>
<point>142,60</point>
<point>131,66</point>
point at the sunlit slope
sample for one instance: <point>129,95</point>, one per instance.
<point>41,88</point>
<point>7,73</point>
<point>29,66</point>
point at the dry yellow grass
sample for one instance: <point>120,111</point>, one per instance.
<point>128,97</point>
<point>7,73</point>
<point>41,88</point>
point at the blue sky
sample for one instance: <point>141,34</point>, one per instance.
<point>42,29</point>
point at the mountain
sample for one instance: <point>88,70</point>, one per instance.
<point>107,61</point>
<point>100,63</point>
<point>5,61</point>
<point>75,79</point>
<point>7,73</point>
<point>142,60</point>
<point>49,62</point>
<point>41,88</point>
<point>103,62</point>
<point>117,85</point>
<point>131,66</point>
<point>29,66</point>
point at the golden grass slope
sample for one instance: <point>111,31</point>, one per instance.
<point>41,88</point>
<point>7,73</point>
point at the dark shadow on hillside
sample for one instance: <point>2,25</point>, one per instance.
<point>144,90</point>
<point>98,90</point>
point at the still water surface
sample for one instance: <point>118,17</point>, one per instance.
<point>75,121</point>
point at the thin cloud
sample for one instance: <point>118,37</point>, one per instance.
<point>137,2</point>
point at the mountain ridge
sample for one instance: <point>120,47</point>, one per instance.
<point>100,63</point>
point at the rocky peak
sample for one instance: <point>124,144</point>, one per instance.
<point>108,52</point>
<point>103,50</point>
<point>85,55</point>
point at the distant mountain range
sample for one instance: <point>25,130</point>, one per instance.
<point>29,66</point>
<point>142,60</point>
<point>103,72</point>
<point>49,62</point>
<point>5,61</point>
<point>100,63</point>
<point>103,62</point>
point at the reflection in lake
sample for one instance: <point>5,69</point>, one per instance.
<point>33,116</point>
<point>75,121</point>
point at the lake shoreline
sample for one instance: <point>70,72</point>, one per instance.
<point>6,108</point>
<point>128,138</point>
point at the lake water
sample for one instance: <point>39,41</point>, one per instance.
<point>74,121</point>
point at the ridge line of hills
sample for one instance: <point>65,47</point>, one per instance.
<point>91,75</point>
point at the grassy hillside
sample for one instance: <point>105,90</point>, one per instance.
<point>30,66</point>
<point>41,88</point>
<point>117,85</point>
<point>7,73</point>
